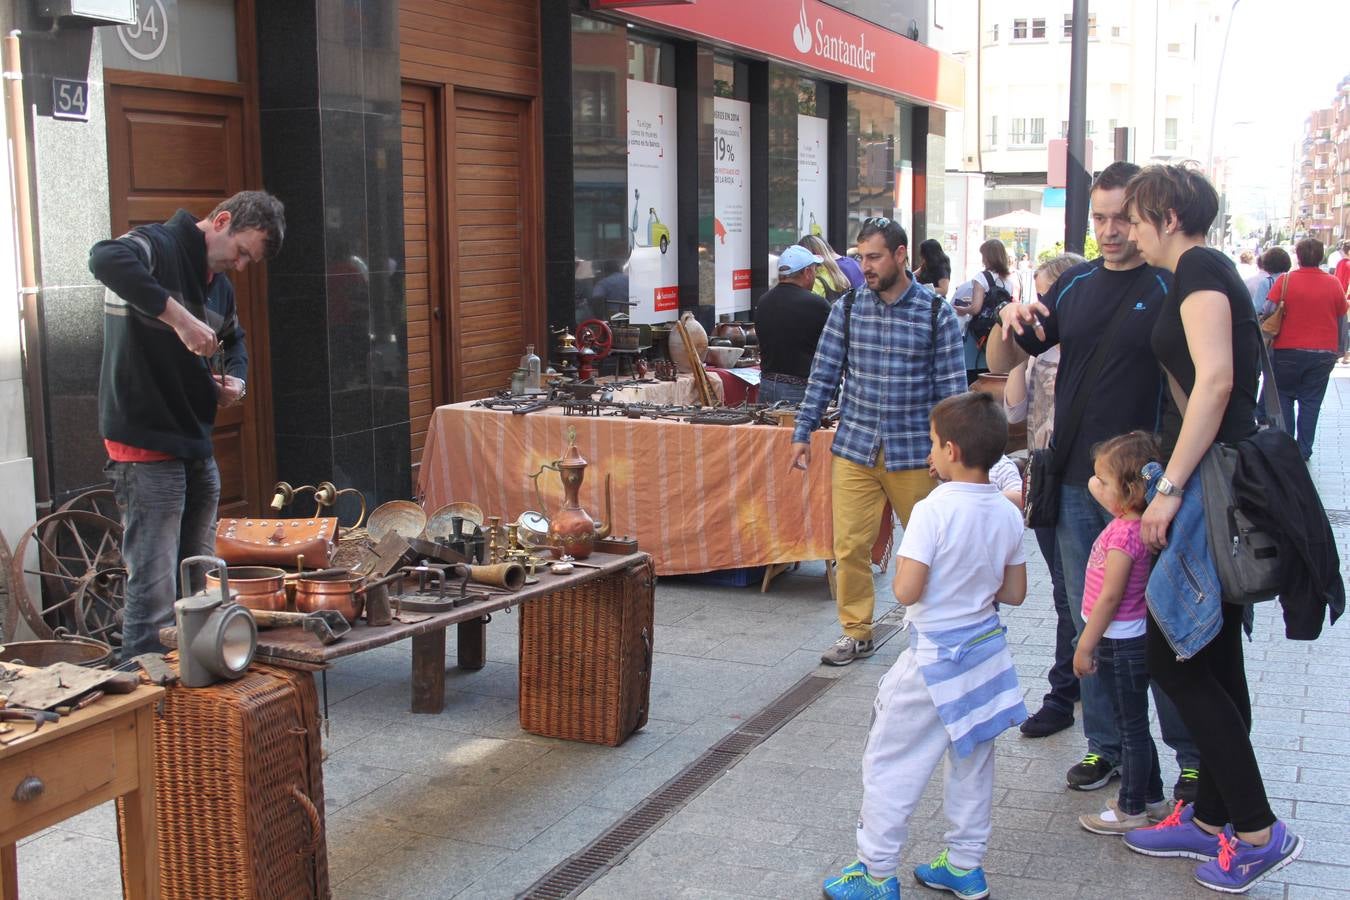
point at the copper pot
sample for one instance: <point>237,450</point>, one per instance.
<point>732,331</point>
<point>258,587</point>
<point>335,589</point>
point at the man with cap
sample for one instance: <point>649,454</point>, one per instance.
<point>788,320</point>
<point>897,348</point>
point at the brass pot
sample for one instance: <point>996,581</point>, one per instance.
<point>258,587</point>
<point>331,589</point>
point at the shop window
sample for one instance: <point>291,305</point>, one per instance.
<point>650,60</point>
<point>874,133</point>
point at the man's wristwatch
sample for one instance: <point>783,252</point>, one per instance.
<point>243,390</point>
<point>1167,488</point>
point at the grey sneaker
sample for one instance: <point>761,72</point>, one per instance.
<point>846,650</point>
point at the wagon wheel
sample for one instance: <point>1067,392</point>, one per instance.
<point>69,545</point>
<point>100,500</point>
<point>99,602</point>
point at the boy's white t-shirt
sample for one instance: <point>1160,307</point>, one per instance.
<point>967,535</point>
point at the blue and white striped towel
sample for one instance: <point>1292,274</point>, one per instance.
<point>970,676</point>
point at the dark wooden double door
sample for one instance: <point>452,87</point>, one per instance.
<point>468,190</point>
<point>172,147</point>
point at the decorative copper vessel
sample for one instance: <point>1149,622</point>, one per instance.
<point>572,532</point>
<point>732,331</point>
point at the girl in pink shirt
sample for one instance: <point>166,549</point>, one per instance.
<point>1112,645</point>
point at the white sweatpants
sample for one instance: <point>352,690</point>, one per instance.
<point>904,746</point>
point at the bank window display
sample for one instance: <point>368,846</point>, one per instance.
<point>730,152</point>
<point>652,265</point>
<point>874,136</point>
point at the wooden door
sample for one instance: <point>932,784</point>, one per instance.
<point>171,149</point>
<point>423,204</point>
<point>496,301</point>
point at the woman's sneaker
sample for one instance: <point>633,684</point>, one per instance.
<point>853,883</point>
<point>1112,821</point>
<point>968,884</point>
<point>1240,865</point>
<point>1176,835</point>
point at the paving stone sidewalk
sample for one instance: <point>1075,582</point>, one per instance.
<point>465,804</point>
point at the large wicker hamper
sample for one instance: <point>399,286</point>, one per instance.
<point>586,658</point>
<point>239,789</point>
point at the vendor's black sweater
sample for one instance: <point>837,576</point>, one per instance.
<point>154,393</point>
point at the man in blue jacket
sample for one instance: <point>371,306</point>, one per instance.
<point>1125,395</point>
<point>173,352</point>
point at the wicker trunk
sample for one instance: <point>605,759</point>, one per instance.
<point>585,658</point>
<point>239,790</point>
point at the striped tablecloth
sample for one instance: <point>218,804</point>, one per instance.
<point>697,497</point>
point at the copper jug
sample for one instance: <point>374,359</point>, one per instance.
<point>572,533</point>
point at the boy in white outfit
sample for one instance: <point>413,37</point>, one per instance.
<point>954,689</point>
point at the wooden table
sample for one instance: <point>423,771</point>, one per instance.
<point>295,648</point>
<point>104,751</point>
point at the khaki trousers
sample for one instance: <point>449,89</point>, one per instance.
<point>858,494</point>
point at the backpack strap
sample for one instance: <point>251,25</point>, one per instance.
<point>848,328</point>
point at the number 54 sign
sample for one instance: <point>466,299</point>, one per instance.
<point>70,99</point>
<point>147,38</point>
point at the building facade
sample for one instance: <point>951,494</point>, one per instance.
<point>1151,70</point>
<point>1323,193</point>
<point>459,176</point>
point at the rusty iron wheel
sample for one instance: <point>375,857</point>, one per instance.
<point>74,548</point>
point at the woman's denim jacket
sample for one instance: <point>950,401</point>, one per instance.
<point>1184,594</point>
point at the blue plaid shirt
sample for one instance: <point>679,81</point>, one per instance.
<point>895,377</point>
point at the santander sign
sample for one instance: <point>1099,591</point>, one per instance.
<point>831,47</point>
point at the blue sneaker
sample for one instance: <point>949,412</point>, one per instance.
<point>969,884</point>
<point>1241,865</point>
<point>1176,835</point>
<point>853,883</point>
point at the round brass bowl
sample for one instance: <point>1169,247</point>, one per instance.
<point>402,517</point>
<point>331,589</point>
<point>440,524</point>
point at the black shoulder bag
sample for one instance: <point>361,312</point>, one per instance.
<point>1045,468</point>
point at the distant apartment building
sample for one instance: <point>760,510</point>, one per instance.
<point>1151,69</point>
<point>1323,182</point>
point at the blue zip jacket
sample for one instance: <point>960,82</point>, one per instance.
<point>1184,594</point>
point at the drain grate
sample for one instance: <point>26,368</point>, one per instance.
<point>574,874</point>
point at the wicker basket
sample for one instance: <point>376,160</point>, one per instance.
<point>239,789</point>
<point>585,658</point>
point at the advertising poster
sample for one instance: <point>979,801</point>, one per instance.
<point>813,163</point>
<point>731,204</point>
<point>653,268</point>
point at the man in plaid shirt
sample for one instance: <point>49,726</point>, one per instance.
<point>898,368</point>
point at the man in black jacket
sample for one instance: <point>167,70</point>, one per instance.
<point>788,322</point>
<point>173,352</point>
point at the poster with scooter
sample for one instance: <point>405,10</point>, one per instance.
<point>813,164</point>
<point>653,261</point>
<point>731,204</point>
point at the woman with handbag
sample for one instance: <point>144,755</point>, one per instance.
<point>1208,341</point>
<point>1306,346</point>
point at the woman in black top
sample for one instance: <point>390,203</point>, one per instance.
<point>1208,342</point>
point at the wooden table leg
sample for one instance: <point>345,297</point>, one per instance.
<point>428,672</point>
<point>472,640</point>
<point>9,873</point>
<point>140,874</point>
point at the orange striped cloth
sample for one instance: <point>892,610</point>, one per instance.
<point>697,497</point>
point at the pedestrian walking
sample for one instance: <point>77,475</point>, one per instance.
<point>935,268</point>
<point>900,347</point>
<point>835,274</point>
<point>989,290</point>
<point>788,320</point>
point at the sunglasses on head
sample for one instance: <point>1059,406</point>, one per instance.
<point>878,221</point>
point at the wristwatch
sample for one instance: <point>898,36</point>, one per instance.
<point>243,390</point>
<point>1167,488</point>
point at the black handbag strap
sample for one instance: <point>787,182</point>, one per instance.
<point>1065,434</point>
<point>1269,395</point>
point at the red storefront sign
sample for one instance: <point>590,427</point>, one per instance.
<point>667,298</point>
<point>740,279</point>
<point>815,35</point>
